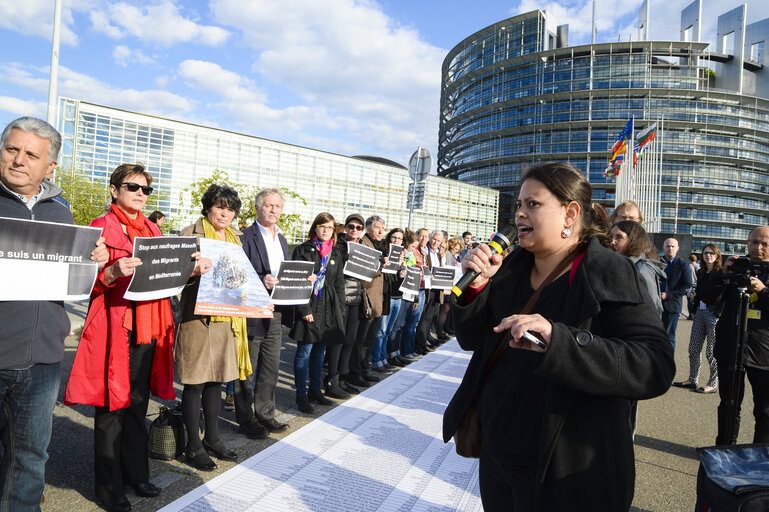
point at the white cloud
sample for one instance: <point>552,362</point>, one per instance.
<point>35,18</point>
<point>77,85</point>
<point>21,107</point>
<point>348,58</point>
<point>124,55</point>
<point>161,23</point>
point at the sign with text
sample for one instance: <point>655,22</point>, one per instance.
<point>442,278</point>
<point>362,261</point>
<point>293,288</point>
<point>166,267</point>
<point>46,260</point>
<point>411,281</point>
<point>394,258</point>
<point>231,287</point>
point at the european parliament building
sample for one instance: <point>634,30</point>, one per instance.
<point>515,94</point>
<point>96,139</point>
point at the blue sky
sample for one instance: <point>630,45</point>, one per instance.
<point>347,76</point>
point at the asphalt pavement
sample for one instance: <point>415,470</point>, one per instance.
<point>670,428</point>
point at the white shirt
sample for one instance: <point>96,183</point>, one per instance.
<point>274,248</point>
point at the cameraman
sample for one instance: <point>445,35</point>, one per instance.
<point>756,351</point>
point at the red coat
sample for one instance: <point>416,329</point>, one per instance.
<point>100,374</point>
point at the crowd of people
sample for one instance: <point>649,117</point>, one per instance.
<point>592,290</point>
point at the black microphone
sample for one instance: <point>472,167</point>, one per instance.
<point>501,240</point>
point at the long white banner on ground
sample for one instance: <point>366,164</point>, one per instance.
<point>379,451</point>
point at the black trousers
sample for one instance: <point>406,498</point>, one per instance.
<point>429,315</point>
<point>264,353</point>
<point>350,335</point>
<point>120,437</point>
<point>504,486</point>
<point>759,383</point>
<point>360,357</point>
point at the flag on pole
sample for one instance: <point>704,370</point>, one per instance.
<point>642,140</point>
<point>617,155</point>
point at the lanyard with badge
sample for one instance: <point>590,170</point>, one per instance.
<point>754,311</point>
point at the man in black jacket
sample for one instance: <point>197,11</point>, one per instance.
<point>756,359</point>
<point>32,333</point>
<point>675,287</point>
<point>265,247</point>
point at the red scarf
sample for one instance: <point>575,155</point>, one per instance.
<point>153,319</point>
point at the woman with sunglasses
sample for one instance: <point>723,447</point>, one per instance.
<point>321,322</point>
<point>125,350</point>
<point>704,325</point>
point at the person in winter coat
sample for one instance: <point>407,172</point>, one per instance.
<point>705,320</point>
<point>629,238</point>
<point>322,321</point>
<point>208,347</point>
<point>125,351</point>
<point>554,414</point>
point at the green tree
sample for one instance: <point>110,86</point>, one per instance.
<point>86,198</point>
<point>190,198</point>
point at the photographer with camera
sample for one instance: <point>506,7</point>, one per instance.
<point>750,274</point>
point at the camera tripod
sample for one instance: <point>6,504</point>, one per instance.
<point>737,367</point>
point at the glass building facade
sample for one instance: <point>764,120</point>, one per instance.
<point>512,98</point>
<point>96,139</point>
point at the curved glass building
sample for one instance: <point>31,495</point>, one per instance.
<point>515,94</point>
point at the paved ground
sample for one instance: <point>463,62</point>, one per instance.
<point>670,427</point>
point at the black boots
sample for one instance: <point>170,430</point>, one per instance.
<point>333,390</point>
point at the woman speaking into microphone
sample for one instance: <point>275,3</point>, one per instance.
<point>554,414</point>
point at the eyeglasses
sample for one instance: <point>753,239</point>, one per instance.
<point>133,187</point>
<point>354,227</point>
<point>708,253</point>
<point>324,228</point>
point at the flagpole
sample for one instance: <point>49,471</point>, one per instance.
<point>54,74</point>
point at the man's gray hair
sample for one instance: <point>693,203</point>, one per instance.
<point>374,218</point>
<point>39,128</point>
<point>439,232</point>
<point>267,192</point>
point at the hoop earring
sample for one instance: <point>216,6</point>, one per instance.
<point>565,233</point>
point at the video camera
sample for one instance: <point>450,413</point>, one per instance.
<point>742,269</point>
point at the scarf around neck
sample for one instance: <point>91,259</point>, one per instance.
<point>153,319</point>
<point>237,323</point>
<point>324,249</point>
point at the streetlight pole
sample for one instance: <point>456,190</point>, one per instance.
<point>54,77</point>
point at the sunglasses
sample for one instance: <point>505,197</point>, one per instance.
<point>133,187</point>
<point>354,227</point>
<point>708,253</point>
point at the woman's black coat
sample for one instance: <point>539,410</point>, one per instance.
<point>328,312</point>
<point>608,347</point>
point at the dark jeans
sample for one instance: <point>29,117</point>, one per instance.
<point>670,321</point>
<point>27,399</point>
<point>255,395</point>
<point>120,436</point>
<point>308,358</point>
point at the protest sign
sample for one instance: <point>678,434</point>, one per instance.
<point>394,258</point>
<point>293,287</point>
<point>231,287</point>
<point>442,278</point>
<point>166,266</point>
<point>46,260</point>
<point>362,261</point>
<point>410,283</point>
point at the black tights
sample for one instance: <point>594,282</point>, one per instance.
<point>212,402</point>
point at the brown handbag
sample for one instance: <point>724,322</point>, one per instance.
<point>467,437</point>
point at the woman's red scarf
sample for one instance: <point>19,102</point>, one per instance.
<point>153,320</point>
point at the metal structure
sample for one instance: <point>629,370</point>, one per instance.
<point>512,97</point>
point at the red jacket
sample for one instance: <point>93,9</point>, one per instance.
<point>100,374</point>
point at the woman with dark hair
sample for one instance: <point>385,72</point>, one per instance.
<point>321,322</point>
<point>208,348</point>
<point>704,325</point>
<point>554,411</point>
<point>125,350</point>
<point>629,238</point>
<point>157,217</point>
